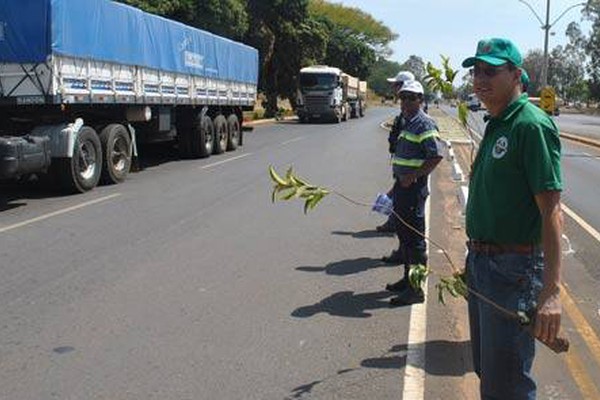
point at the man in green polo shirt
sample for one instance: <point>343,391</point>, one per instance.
<point>514,225</point>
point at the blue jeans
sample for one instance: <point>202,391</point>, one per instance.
<point>503,351</point>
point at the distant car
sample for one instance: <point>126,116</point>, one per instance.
<point>473,103</point>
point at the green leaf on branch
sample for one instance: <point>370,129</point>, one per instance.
<point>293,187</point>
<point>463,113</point>
<point>417,274</point>
<point>456,286</point>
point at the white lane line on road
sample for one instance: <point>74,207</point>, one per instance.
<point>225,161</point>
<point>292,140</point>
<point>595,234</point>
<point>414,370</point>
<point>58,212</point>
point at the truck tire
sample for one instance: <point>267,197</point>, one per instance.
<point>81,173</point>
<point>208,128</point>
<point>361,110</point>
<point>233,129</point>
<point>220,134</point>
<point>203,136</point>
<point>338,115</point>
<point>116,149</point>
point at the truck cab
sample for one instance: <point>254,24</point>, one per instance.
<point>321,94</point>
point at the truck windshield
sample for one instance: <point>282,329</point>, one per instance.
<point>318,81</point>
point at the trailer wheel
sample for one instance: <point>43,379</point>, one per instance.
<point>208,127</point>
<point>81,172</point>
<point>203,137</point>
<point>116,148</point>
<point>361,110</point>
<point>338,115</point>
<point>233,127</point>
<point>220,134</point>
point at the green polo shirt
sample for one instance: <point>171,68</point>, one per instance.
<point>518,157</point>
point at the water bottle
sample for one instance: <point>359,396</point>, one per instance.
<point>383,204</point>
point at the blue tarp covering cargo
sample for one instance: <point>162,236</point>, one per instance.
<point>102,30</point>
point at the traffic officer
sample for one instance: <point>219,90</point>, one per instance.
<point>418,151</point>
<point>396,82</point>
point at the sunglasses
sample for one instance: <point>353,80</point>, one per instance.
<point>487,71</point>
<point>408,97</point>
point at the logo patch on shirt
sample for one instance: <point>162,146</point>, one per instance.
<point>500,148</point>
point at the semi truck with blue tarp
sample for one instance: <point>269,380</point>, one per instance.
<point>84,83</point>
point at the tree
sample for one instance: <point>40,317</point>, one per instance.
<point>416,65</point>
<point>357,23</point>
<point>227,18</point>
<point>381,70</point>
<point>532,63</point>
<point>179,10</point>
<point>280,28</point>
<point>592,13</point>
<point>348,52</point>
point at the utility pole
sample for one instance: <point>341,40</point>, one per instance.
<point>546,27</point>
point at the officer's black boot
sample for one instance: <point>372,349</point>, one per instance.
<point>409,295</point>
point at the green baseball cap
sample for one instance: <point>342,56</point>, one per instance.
<point>524,77</point>
<point>496,52</point>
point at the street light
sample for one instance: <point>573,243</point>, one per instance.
<point>546,27</point>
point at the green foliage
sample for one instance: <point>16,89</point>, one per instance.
<point>349,53</point>
<point>463,113</point>
<point>294,187</point>
<point>440,80</point>
<point>592,13</point>
<point>417,274</point>
<point>456,286</point>
<point>227,18</point>
<point>355,22</point>
<point>179,10</point>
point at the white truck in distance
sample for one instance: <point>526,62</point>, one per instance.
<point>328,93</point>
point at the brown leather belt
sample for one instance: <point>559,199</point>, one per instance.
<point>495,248</point>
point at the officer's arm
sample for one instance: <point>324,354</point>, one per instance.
<point>394,133</point>
<point>424,170</point>
<point>547,322</point>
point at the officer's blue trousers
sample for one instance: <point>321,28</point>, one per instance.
<point>409,204</point>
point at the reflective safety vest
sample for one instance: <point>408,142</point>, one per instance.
<point>417,142</point>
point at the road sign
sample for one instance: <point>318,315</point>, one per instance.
<point>548,99</point>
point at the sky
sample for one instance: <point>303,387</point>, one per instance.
<point>428,28</point>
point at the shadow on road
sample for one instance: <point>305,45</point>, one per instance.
<point>442,358</point>
<point>346,304</point>
<point>347,267</point>
<point>367,234</point>
<point>15,194</point>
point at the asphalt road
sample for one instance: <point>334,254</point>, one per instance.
<point>187,283</point>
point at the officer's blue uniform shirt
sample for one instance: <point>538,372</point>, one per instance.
<point>418,141</point>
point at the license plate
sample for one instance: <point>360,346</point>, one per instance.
<point>316,115</point>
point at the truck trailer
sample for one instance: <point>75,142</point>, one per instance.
<point>328,93</point>
<point>83,83</point>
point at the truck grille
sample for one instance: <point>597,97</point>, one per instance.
<point>316,103</point>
